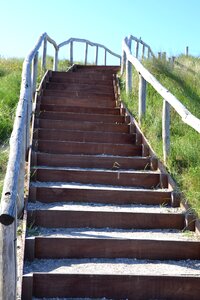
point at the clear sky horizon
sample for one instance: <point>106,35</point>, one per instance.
<point>166,25</point>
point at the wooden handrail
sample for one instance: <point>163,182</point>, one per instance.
<point>186,115</point>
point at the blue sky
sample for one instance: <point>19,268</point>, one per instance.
<point>167,25</point>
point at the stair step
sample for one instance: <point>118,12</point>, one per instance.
<point>62,147</point>
<point>94,101</point>
<point>107,69</point>
<point>147,179</point>
<point>80,109</point>
<point>84,136</point>
<point>96,97</point>
<point>59,217</point>
<point>46,192</point>
<point>81,126</point>
<point>95,279</point>
<point>79,76</point>
<point>55,247</point>
<point>90,161</point>
<point>82,87</point>
<point>80,117</point>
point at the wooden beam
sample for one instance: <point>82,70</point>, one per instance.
<point>86,53</point>
<point>96,57</point>
<point>71,52</point>
<point>142,98</point>
<point>44,56</point>
<point>166,129</point>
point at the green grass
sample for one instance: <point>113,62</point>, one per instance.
<point>182,80</point>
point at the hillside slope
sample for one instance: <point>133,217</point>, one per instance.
<point>182,80</point>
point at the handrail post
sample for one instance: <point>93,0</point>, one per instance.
<point>44,56</point>
<point>149,51</point>
<point>105,57</point>
<point>128,71</point>
<point>136,49</point>
<point>96,58</point>
<point>123,62</point>
<point>128,76</point>
<point>86,53</point>
<point>143,51</point>
<point>142,98</point>
<point>55,61</point>
<point>34,74</point>
<point>8,280</point>
<point>71,52</point>
<point>166,129</point>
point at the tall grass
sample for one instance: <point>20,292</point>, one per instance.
<point>183,81</point>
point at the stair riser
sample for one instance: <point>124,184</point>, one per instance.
<point>81,117</point>
<point>79,219</point>
<point>82,80</point>
<point>79,76</point>
<point>80,95</point>
<point>86,148</point>
<point>90,88</point>
<point>81,126</point>
<point>75,109</point>
<point>45,159</point>
<point>83,136</point>
<point>142,180</point>
<point>48,195</point>
<point>111,286</point>
<point>49,247</point>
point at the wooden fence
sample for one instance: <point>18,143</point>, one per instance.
<point>128,60</point>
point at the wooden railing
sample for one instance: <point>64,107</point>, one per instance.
<point>87,43</point>
<point>12,200</point>
<point>128,60</point>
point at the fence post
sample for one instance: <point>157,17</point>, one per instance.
<point>44,56</point>
<point>128,71</point>
<point>123,62</point>
<point>55,61</point>
<point>149,51</point>
<point>136,49</point>
<point>128,76</point>
<point>96,59</point>
<point>71,52</point>
<point>142,98</point>
<point>143,51</point>
<point>105,57</point>
<point>166,129</point>
<point>34,75</point>
<point>187,51</point>
<point>8,277</point>
<point>86,53</point>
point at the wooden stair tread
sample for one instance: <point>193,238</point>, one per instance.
<point>81,117</point>
<point>93,285</point>
<point>90,161</point>
<point>83,136</point>
<point>56,191</point>
<point>63,147</point>
<point>88,126</point>
<point>79,109</point>
<point>143,179</point>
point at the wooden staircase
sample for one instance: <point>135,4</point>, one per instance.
<point>100,221</point>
